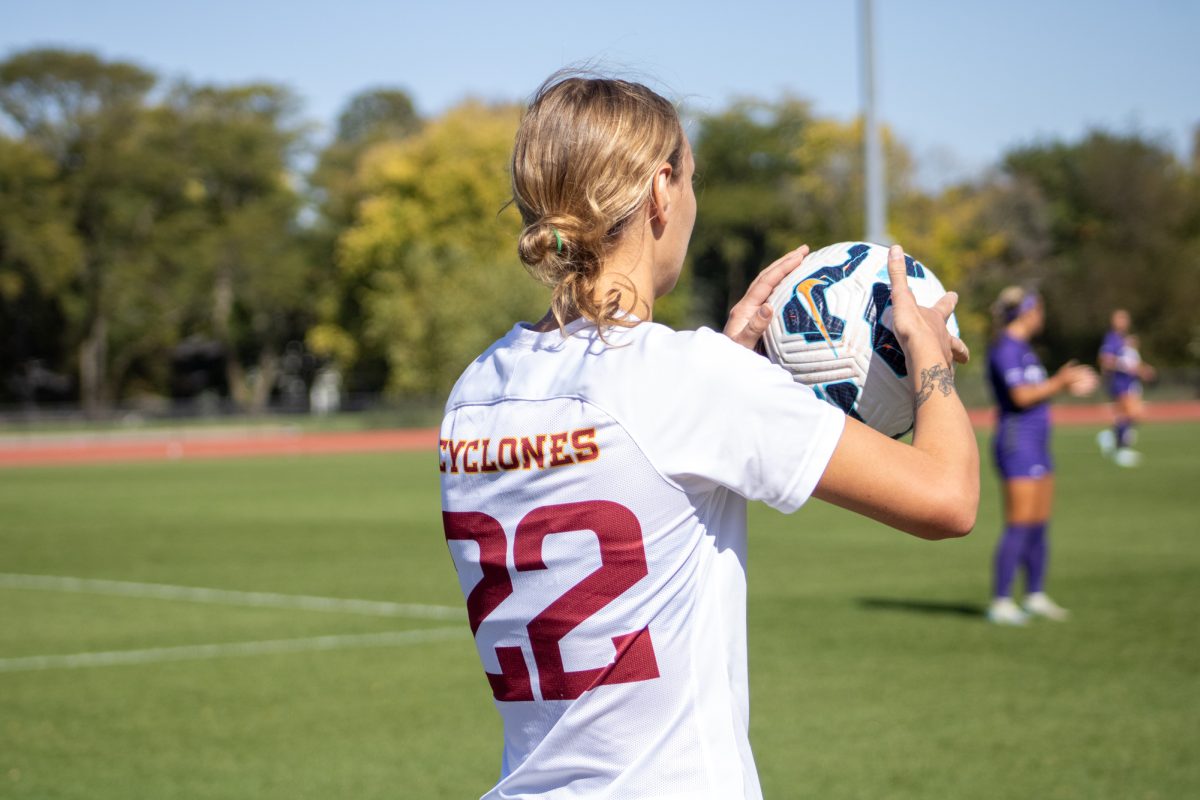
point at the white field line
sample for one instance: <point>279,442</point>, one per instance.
<point>229,597</point>
<point>226,650</point>
<point>79,438</point>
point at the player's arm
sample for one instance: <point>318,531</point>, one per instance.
<point>930,488</point>
<point>1078,379</point>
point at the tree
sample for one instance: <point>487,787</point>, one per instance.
<point>977,238</point>
<point>238,143</point>
<point>369,118</point>
<point>80,112</point>
<point>377,114</point>
<point>773,176</point>
<point>1119,214</point>
<point>39,253</point>
<point>183,212</point>
<point>436,248</point>
<point>744,158</point>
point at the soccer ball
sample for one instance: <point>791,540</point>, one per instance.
<point>832,330</point>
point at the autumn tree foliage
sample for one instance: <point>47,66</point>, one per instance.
<point>138,219</point>
<point>434,242</point>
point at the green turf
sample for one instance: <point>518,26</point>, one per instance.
<point>873,674</point>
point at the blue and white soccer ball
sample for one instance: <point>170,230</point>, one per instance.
<point>832,331</point>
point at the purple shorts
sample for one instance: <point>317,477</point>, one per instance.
<point>1022,448</point>
<point>1120,383</point>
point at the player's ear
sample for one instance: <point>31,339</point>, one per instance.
<point>660,194</point>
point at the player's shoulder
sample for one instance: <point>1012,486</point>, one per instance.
<point>1001,346</point>
<point>1008,345</point>
<point>693,358</point>
<point>595,365</point>
<point>1113,341</point>
<point>701,344</point>
<point>477,380</point>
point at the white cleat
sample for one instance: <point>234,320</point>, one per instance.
<point>1107,440</point>
<point>1039,604</point>
<point>1126,457</point>
<point>1003,611</point>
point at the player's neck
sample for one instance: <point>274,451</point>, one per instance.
<point>1018,330</point>
<point>628,274</point>
<point>624,275</point>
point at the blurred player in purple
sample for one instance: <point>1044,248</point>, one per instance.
<point>1123,370</point>
<point>1022,450</point>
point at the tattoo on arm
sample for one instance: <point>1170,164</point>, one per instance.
<point>939,377</point>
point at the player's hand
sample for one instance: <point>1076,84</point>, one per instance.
<point>921,328</point>
<point>749,318</point>
<point>1078,379</point>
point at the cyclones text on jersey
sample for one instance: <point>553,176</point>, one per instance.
<point>539,451</point>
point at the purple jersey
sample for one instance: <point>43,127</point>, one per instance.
<point>1113,344</point>
<point>1123,376</point>
<point>1012,363</point>
<point>1022,438</point>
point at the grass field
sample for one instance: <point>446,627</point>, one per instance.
<point>873,673</point>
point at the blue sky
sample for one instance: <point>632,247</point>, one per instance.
<point>959,81</point>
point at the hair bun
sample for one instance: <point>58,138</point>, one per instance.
<point>541,244</point>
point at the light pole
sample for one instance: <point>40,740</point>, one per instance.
<point>873,188</point>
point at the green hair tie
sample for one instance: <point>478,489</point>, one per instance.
<point>557,239</point>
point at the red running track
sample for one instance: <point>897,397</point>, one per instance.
<point>175,445</point>
<point>23,451</point>
<point>1099,414</point>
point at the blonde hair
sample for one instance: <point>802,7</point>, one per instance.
<point>583,164</point>
<point>1012,302</point>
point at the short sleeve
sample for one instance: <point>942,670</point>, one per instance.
<point>1112,345</point>
<point>738,421</point>
<point>1007,364</point>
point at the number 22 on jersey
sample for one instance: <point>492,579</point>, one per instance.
<point>622,564</point>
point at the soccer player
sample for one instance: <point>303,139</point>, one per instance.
<point>595,468</point>
<point>1022,450</point>
<point>1123,370</point>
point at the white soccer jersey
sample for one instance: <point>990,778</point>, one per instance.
<point>593,497</point>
